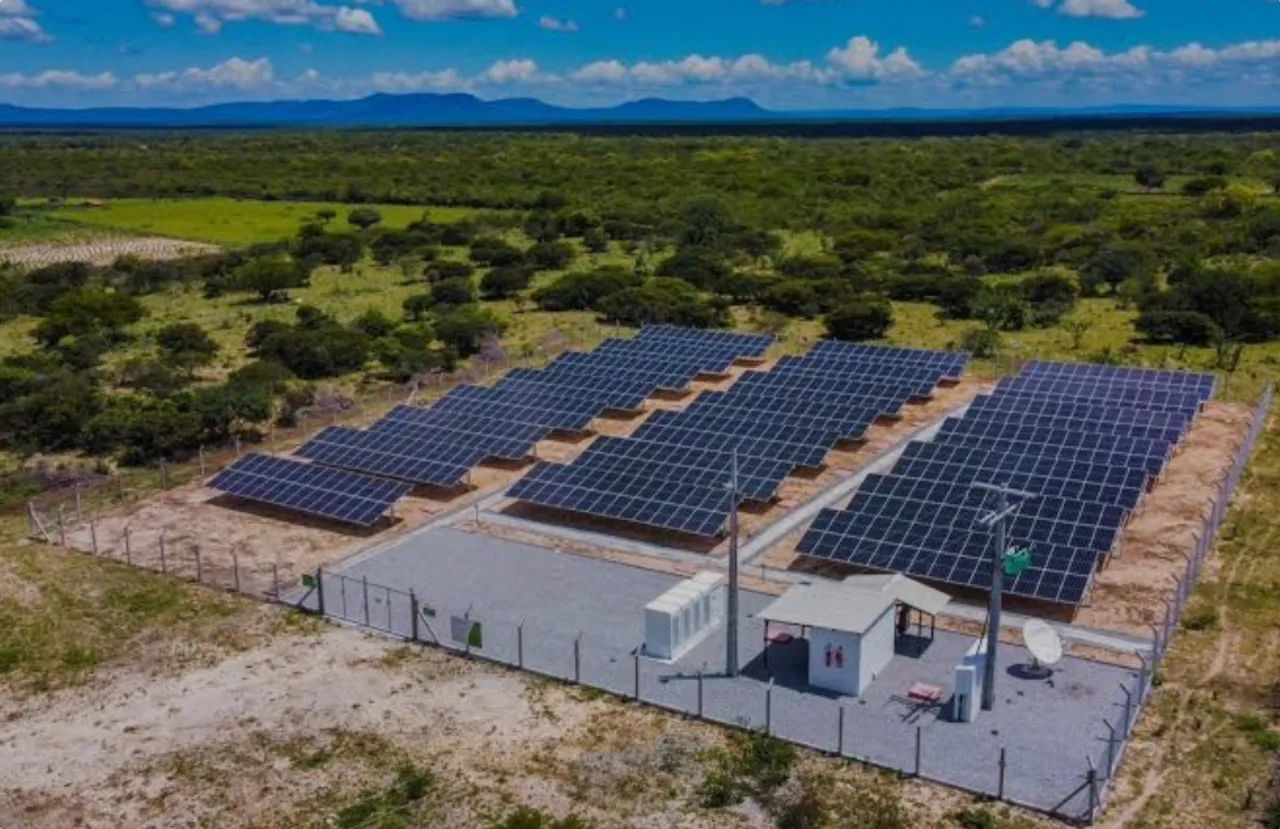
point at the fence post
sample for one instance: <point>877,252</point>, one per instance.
<point>364,588</point>
<point>163,567</point>
<point>840,731</point>
<point>919,731</point>
<point>320,589</point>
<point>128,548</point>
<point>79,506</point>
<point>636,656</point>
<point>62,528</point>
<point>93,535</point>
<point>520,645</point>
<point>1111,749</point>
<point>577,659</point>
<point>164,475</point>
<point>1128,710</point>
<point>237,445</point>
<point>1091,777</point>
<point>413,616</point>
<point>275,580</point>
<point>235,570</point>
<point>768,707</point>
<point>200,450</point>
<point>1003,766</point>
<point>199,567</point>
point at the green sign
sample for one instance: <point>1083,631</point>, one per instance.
<point>308,580</point>
<point>1016,560</point>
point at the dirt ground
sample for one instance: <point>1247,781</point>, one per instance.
<point>101,251</point>
<point>1129,594</point>
<point>276,735</point>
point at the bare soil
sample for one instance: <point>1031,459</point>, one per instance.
<point>103,251</point>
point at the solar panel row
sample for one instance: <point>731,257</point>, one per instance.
<point>774,421</point>
<point>439,445</point>
<point>1087,440</point>
<point>309,488</point>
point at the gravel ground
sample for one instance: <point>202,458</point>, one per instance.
<point>533,603</point>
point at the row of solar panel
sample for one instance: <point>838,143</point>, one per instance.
<point>441,444</point>
<point>1087,440</point>
<point>775,421</point>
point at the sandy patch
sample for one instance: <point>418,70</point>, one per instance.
<point>102,251</point>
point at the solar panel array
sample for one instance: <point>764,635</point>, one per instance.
<point>355,475</point>
<point>672,472</point>
<point>1086,439</point>
<point>439,445</point>
<point>309,488</point>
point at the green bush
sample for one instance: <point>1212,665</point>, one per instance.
<point>864,319</point>
<point>983,343</point>
<point>1190,327</point>
<point>581,291</point>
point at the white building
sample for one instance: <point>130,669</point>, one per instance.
<point>683,616</point>
<point>851,626</point>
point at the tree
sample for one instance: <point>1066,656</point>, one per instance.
<point>550,256</point>
<point>1051,293</point>
<point>364,217</point>
<point>1002,308</point>
<point>187,344</point>
<point>87,312</point>
<point>447,269</point>
<point>983,343</point>
<point>705,223</point>
<point>374,323</point>
<point>7,205</point>
<point>452,292</point>
<point>793,297</point>
<point>1076,328</point>
<point>500,283</point>
<point>490,250</point>
<point>1189,327</point>
<point>1149,176</point>
<point>269,277</point>
<point>662,300</point>
<point>418,306</point>
<point>466,327</point>
<point>699,267</point>
<point>580,291</point>
<point>866,318</point>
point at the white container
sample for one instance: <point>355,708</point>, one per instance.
<point>683,616</point>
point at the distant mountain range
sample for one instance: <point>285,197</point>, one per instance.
<point>462,110</point>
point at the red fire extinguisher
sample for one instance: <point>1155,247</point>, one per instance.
<point>840,657</point>
<point>828,654</point>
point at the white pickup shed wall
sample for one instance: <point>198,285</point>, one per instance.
<point>864,656</point>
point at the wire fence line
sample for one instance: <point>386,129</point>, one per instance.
<point>1121,729</point>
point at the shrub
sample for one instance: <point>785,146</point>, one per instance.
<point>1189,327</point>
<point>364,217</point>
<point>87,312</point>
<point>662,300</point>
<point>449,293</point>
<point>187,343</point>
<point>550,256</point>
<point>417,307</point>
<point>500,283</point>
<point>440,271</point>
<point>270,276</point>
<point>793,297</point>
<point>868,318</point>
<point>1001,308</point>
<point>699,267</point>
<point>464,328</point>
<point>583,290</point>
<point>490,250</point>
<point>983,343</point>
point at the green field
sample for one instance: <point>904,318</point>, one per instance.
<point>1119,183</point>
<point>220,221</point>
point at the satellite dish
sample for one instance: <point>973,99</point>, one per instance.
<point>1043,642</point>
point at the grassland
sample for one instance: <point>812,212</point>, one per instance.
<point>1118,183</point>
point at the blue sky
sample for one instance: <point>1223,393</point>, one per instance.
<point>783,53</point>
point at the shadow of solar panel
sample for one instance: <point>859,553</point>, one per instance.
<point>390,456</point>
<point>1201,384</point>
<point>693,510</point>
<point>308,488</point>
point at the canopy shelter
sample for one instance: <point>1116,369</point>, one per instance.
<point>853,626</point>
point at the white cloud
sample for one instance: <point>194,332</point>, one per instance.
<point>1110,9</point>
<point>18,22</point>
<point>236,74</point>
<point>860,60</point>
<point>444,80</point>
<point>600,72</point>
<point>620,13</point>
<point>455,9</point>
<point>59,78</point>
<point>211,15</point>
<point>165,19</point>
<point>554,24</point>
<point>511,71</point>
<point>1046,60</point>
<point>977,21</point>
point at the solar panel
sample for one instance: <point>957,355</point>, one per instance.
<point>749,345</point>
<point>1106,485</point>
<point>391,456</point>
<point>1202,384</point>
<point>309,488</point>
<point>699,511</point>
<point>1079,409</point>
<point>758,478</point>
<point>1137,396</point>
<point>1016,427</point>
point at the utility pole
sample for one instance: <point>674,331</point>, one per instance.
<point>996,519</point>
<point>731,609</point>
